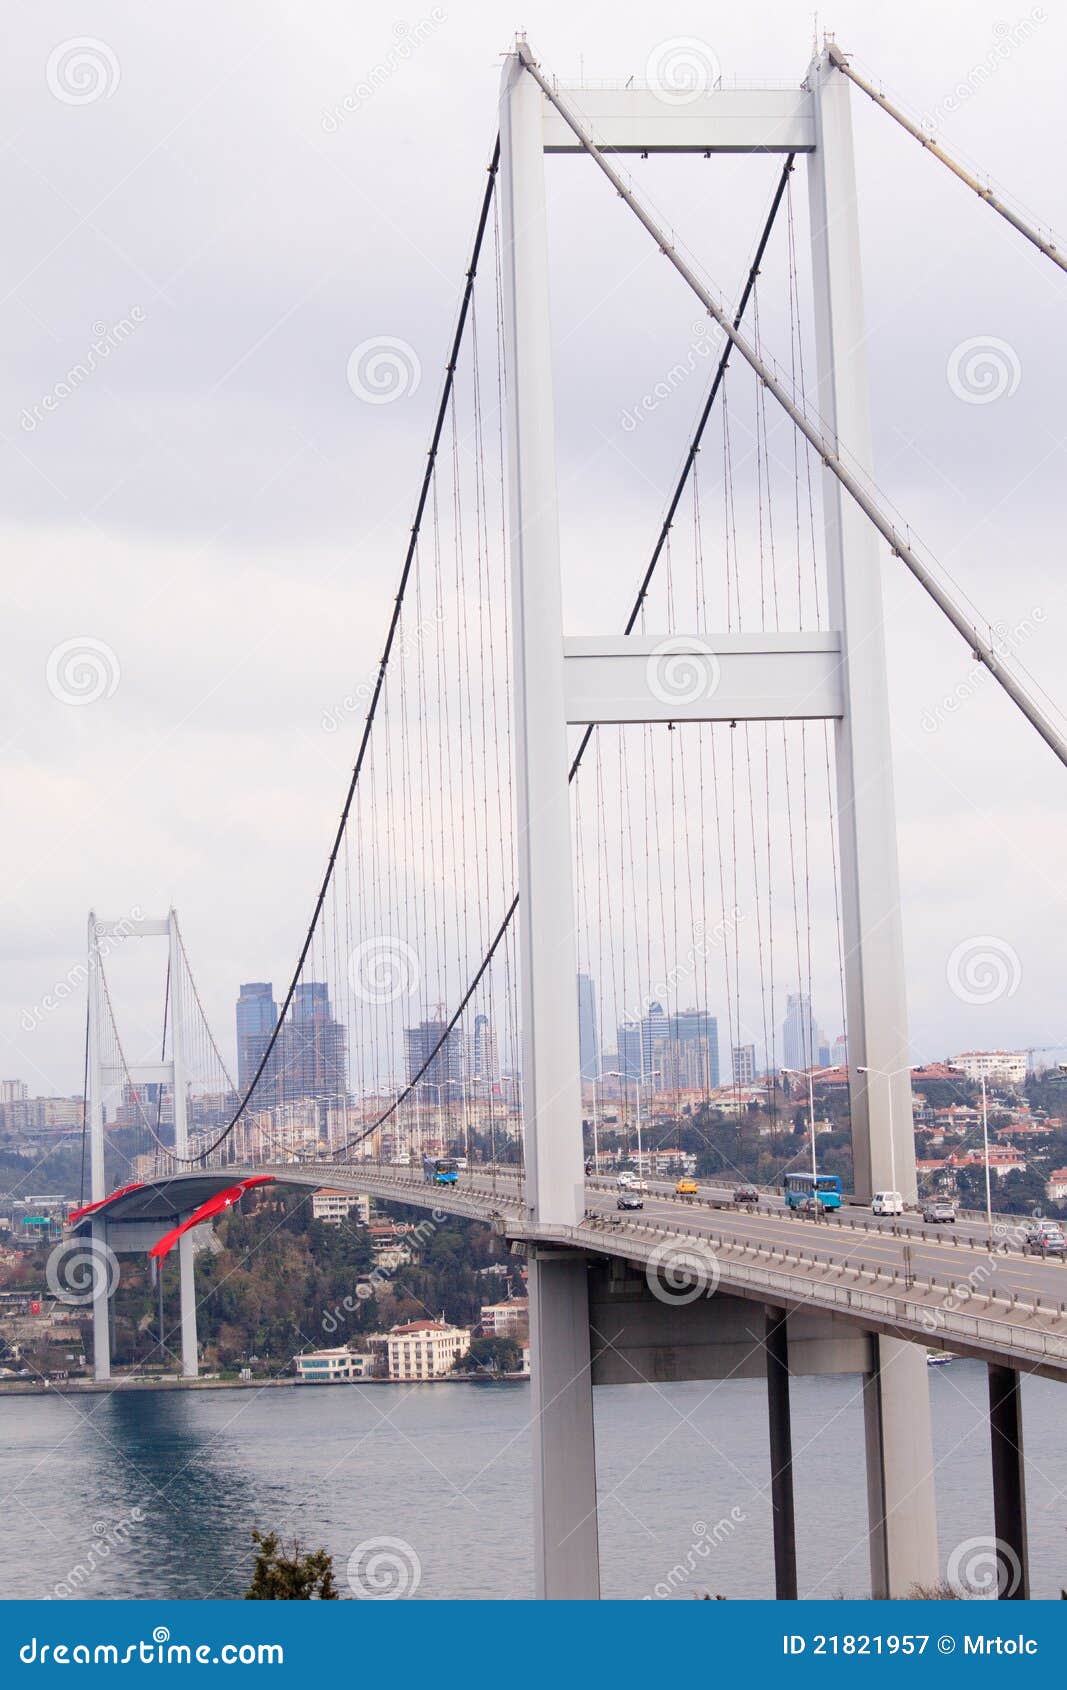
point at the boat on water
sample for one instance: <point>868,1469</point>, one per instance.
<point>938,1358</point>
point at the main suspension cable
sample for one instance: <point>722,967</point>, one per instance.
<point>840,62</point>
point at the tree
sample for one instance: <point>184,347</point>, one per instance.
<point>491,1355</point>
<point>290,1574</point>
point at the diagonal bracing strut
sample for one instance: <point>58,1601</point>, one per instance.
<point>828,450</point>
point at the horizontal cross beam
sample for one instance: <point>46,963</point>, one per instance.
<point>765,677</point>
<point>140,1073</point>
<point>655,120</point>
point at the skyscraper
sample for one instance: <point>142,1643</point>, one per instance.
<point>799,1037</point>
<point>588,1040</point>
<point>312,1047</point>
<point>257,1016</point>
<point>744,1064</point>
<point>446,1069</point>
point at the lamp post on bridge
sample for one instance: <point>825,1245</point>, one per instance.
<point>811,1074</point>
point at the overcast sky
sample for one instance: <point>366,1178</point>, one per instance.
<point>212,195</point>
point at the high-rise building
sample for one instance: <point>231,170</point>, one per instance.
<point>800,1041</point>
<point>483,1065</point>
<point>311,1048</point>
<point>588,1040</point>
<point>446,1068</point>
<point>672,1052</point>
<point>257,1016</point>
<point>744,1064</point>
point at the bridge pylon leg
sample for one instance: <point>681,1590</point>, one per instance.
<point>903,1527</point>
<point>566,1542</point>
<point>187,1304</point>
<point>1009,1484</point>
<point>101,1306</point>
<point>900,1491</point>
<point>782,1510</point>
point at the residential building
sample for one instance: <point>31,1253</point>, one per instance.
<point>503,1320</point>
<point>1056,1185</point>
<point>335,1207</point>
<point>744,1064</point>
<point>588,1040</point>
<point>425,1349</point>
<point>1006,1067</point>
<point>332,1367</point>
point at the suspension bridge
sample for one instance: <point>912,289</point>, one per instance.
<point>690,814</point>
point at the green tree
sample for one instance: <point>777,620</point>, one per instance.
<point>290,1574</point>
<point>490,1355</point>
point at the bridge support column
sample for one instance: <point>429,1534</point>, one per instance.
<point>1009,1483</point>
<point>101,1304</point>
<point>187,1303</point>
<point>903,1527</point>
<point>782,1512</point>
<point>566,1544</point>
<point>900,1487</point>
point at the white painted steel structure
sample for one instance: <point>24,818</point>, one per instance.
<point>103,1077</point>
<point>841,677</point>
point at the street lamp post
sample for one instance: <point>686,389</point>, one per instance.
<point>811,1074</point>
<point>985,1151</point>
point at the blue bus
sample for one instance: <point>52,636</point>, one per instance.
<point>439,1170</point>
<point>804,1191</point>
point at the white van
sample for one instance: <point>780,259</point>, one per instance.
<point>887,1203</point>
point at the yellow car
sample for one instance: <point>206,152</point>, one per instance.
<point>686,1188</point>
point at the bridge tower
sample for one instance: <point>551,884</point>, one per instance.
<point>558,682</point>
<point>102,1077</point>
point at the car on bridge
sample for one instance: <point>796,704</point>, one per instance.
<point>629,1200</point>
<point>686,1188</point>
<point>1044,1238</point>
<point>746,1196</point>
<point>937,1211</point>
<point>887,1203</point>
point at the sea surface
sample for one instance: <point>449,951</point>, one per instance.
<point>155,1494</point>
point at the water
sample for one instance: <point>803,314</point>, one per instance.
<point>447,1470</point>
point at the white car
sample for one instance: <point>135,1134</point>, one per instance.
<point>630,1182</point>
<point>887,1203</point>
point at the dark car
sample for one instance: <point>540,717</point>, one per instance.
<point>746,1194</point>
<point>1044,1238</point>
<point>628,1201</point>
<point>937,1212</point>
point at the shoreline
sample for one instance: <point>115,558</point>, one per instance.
<point>128,1382</point>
